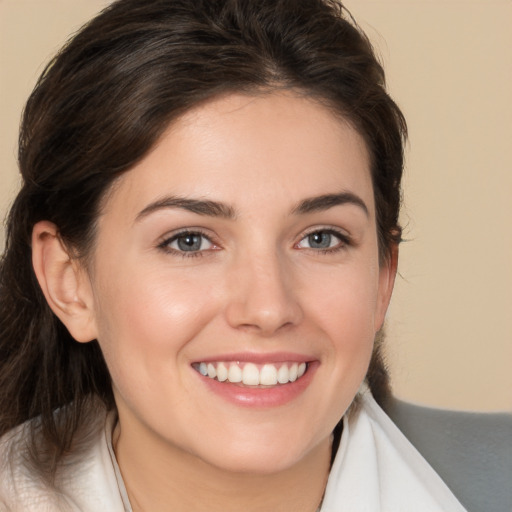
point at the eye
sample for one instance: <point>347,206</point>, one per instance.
<point>324,239</point>
<point>191,242</point>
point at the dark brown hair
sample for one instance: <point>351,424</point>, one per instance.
<point>100,106</point>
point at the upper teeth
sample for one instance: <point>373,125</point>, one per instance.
<point>251,374</point>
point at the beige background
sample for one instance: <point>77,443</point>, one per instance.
<point>449,67</point>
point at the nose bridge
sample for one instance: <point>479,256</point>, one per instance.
<point>262,294</point>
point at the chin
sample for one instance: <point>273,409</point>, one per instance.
<point>256,465</point>
<point>272,455</point>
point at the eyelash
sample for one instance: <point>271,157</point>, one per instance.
<point>344,242</point>
<point>165,244</point>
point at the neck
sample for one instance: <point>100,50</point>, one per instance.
<point>184,482</point>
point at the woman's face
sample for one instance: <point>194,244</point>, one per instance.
<point>243,246</point>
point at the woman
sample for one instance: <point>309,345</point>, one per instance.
<point>198,267</point>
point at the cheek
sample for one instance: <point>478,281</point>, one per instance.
<point>345,301</point>
<point>149,316</point>
<point>345,311</point>
<point>342,314</point>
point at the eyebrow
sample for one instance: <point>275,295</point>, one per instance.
<point>217,209</point>
<point>324,202</point>
<point>198,206</point>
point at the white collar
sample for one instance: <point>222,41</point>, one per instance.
<point>377,469</point>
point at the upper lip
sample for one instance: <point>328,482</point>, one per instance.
<point>258,358</point>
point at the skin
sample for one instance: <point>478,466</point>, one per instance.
<point>256,286</point>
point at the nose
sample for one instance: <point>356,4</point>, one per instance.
<point>263,295</point>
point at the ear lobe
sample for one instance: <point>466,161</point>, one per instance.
<point>64,282</point>
<point>387,274</point>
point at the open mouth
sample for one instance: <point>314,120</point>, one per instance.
<point>252,374</point>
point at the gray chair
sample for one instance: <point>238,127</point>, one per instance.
<point>472,452</point>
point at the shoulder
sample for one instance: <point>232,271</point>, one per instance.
<point>77,483</point>
<point>471,451</point>
<point>21,487</point>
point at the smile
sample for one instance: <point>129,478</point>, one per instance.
<point>252,374</point>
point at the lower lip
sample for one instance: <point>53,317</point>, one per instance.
<point>260,397</point>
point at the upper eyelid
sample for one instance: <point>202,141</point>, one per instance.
<point>342,233</point>
<point>170,237</point>
<point>186,231</point>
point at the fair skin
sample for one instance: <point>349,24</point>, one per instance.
<point>246,238</point>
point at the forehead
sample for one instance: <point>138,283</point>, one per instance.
<point>247,150</point>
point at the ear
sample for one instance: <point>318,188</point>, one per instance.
<point>64,282</point>
<point>387,274</point>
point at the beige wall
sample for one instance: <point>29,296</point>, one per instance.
<point>449,68</point>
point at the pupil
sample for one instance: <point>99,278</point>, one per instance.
<point>320,240</point>
<point>189,242</point>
